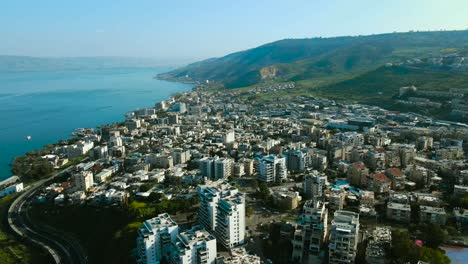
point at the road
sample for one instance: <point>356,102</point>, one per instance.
<point>62,248</point>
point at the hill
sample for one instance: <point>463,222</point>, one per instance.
<point>316,58</point>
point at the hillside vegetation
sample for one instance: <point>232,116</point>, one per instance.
<point>316,58</point>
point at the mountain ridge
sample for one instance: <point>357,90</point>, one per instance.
<point>310,58</point>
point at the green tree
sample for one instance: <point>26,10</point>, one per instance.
<point>249,211</point>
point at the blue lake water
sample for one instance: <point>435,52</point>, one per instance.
<point>457,255</point>
<point>49,106</point>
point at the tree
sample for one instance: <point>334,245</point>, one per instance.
<point>145,187</point>
<point>264,192</point>
<point>249,211</point>
<point>254,184</point>
<point>433,235</point>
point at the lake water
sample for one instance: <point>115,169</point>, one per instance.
<point>49,106</point>
<point>457,255</point>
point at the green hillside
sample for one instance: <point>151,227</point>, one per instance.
<point>316,58</point>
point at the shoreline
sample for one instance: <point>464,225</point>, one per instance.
<point>67,133</point>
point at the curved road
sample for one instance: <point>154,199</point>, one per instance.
<point>62,248</point>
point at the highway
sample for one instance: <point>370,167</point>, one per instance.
<point>61,247</point>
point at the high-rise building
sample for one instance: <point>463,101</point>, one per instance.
<point>195,246</point>
<point>223,168</point>
<point>206,166</point>
<point>230,221</point>
<point>155,238</point>
<point>344,234</point>
<point>216,168</point>
<point>83,180</point>
<point>272,169</point>
<point>229,137</point>
<point>180,156</point>
<point>296,160</point>
<point>314,184</point>
<point>310,233</point>
<point>222,212</point>
<point>248,166</point>
<point>173,119</point>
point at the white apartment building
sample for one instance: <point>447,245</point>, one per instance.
<point>223,168</point>
<point>83,180</point>
<point>206,166</point>
<point>229,137</point>
<point>222,212</point>
<point>195,246</point>
<point>103,175</point>
<point>399,212</point>
<point>216,168</point>
<point>230,221</point>
<point>272,169</point>
<point>311,232</point>
<point>79,149</point>
<point>344,233</point>
<point>313,184</point>
<point>155,238</point>
<point>180,156</point>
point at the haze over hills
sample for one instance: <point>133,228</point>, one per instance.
<point>315,58</point>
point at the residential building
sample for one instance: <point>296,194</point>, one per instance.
<point>83,180</point>
<point>155,238</point>
<point>344,234</point>
<point>380,240</point>
<point>180,156</point>
<point>223,168</point>
<point>194,246</point>
<point>399,212</point>
<point>286,200</point>
<point>311,232</point>
<point>222,212</point>
<point>313,184</point>
<point>434,215</point>
<point>272,169</point>
<point>358,174</point>
<point>336,199</point>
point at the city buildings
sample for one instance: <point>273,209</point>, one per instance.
<point>83,180</point>
<point>313,185</point>
<point>311,233</point>
<point>344,233</point>
<point>222,212</point>
<point>194,246</point>
<point>155,238</point>
<point>272,169</point>
<point>380,240</point>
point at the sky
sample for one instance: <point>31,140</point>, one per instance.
<point>204,28</point>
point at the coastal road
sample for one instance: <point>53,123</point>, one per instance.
<point>62,248</point>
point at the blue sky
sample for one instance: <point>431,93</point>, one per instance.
<point>204,28</point>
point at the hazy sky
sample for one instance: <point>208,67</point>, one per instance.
<point>204,28</point>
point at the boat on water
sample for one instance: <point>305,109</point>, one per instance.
<point>28,138</point>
